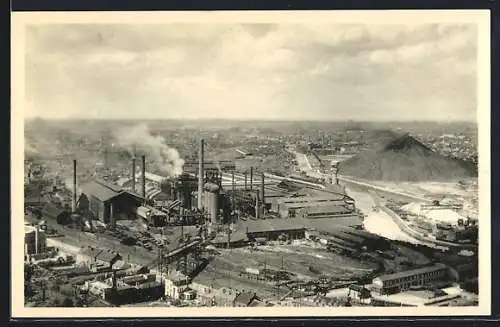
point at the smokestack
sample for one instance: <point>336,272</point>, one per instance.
<point>245,180</point>
<point>262,193</point>
<point>201,173</point>
<point>113,280</point>
<point>232,188</point>
<point>73,204</point>
<point>257,206</point>
<point>143,176</point>
<point>133,174</point>
<point>251,178</point>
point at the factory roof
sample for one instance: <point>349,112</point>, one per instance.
<point>245,298</point>
<point>108,256</point>
<point>275,225</point>
<point>234,237</point>
<point>413,272</point>
<point>324,198</point>
<point>327,209</point>
<point>152,193</point>
<point>329,225</point>
<point>29,229</point>
<point>103,191</point>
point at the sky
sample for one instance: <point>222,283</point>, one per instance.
<point>252,71</point>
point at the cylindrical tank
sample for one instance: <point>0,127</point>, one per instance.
<point>212,201</point>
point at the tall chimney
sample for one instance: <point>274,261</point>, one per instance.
<point>257,206</point>
<point>133,174</point>
<point>232,182</point>
<point>143,176</point>
<point>262,193</point>
<point>251,178</point>
<point>73,204</point>
<point>201,173</point>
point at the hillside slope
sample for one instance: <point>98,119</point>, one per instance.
<point>405,159</point>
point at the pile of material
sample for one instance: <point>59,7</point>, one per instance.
<point>405,159</point>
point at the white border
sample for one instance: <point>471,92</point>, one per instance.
<point>21,19</point>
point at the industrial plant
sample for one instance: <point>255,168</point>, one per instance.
<point>215,235</point>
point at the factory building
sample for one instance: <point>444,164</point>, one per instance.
<point>230,240</point>
<point>109,202</point>
<point>126,294</point>
<point>151,216</point>
<point>323,206</point>
<point>402,281</point>
<point>274,229</point>
<point>34,240</point>
<point>157,197</point>
<point>308,209</point>
<point>96,256</point>
<point>246,299</point>
<point>183,189</point>
<point>175,284</point>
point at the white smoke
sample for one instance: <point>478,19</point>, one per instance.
<point>29,150</point>
<point>138,140</point>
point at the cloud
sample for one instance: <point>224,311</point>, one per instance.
<point>315,71</point>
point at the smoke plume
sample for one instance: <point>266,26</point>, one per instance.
<point>29,150</point>
<point>138,140</point>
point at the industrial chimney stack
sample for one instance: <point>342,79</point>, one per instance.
<point>262,193</point>
<point>133,174</point>
<point>257,205</point>
<point>251,178</point>
<point>73,204</point>
<point>201,173</point>
<point>143,176</point>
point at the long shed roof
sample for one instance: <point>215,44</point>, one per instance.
<point>408,273</point>
<point>101,190</point>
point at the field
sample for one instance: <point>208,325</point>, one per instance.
<point>297,258</point>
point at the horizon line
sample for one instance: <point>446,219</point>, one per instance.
<point>317,120</point>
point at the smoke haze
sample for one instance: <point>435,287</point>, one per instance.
<point>138,140</point>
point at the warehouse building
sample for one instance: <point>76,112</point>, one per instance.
<point>109,202</point>
<point>325,211</point>
<point>233,240</point>
<point>274,229</point>
<point>402,281</point>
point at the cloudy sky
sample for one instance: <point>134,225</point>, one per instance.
<point>249,71</point>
